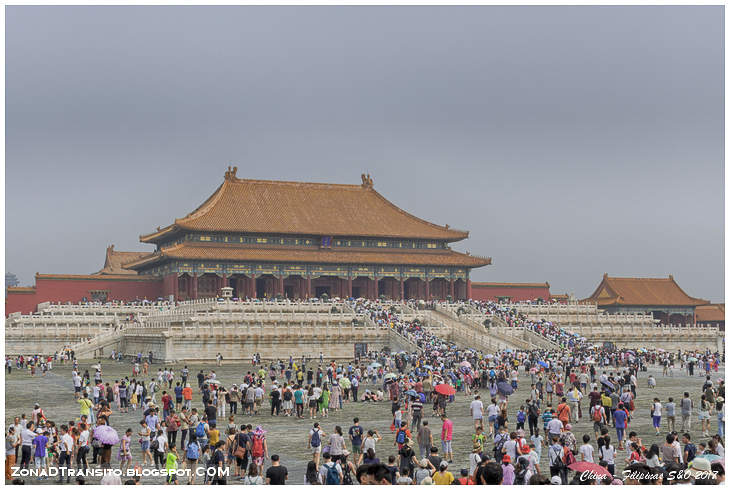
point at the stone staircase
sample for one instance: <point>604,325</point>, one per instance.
<point>473,334</point>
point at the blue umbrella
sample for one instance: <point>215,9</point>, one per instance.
<point>422,396</point>
<point>543,364</point>
<point>608,384</point>
<point>709,457</point>
<point>411,393</point>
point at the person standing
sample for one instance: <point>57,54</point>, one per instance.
<point>447,430</point>
<point>477,412</point>
<point>26,440</point>
<point>11,442</point>
<point>686,407</point>
<point>276,474</point>
<point>656,415</point>
<point>65,450</point>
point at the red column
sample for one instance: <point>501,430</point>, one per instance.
<point>194,287</point>
<point>428,290</point>
<point>281,286</point>
<point>375,287</point>
<point>225,281</point>
<point>349,287</point>
<point>451,286</point>
<point>402,289</point>
<point>252,287</point>
<point>468,289</point>
<point>309,286</point>
<point>175,286</point>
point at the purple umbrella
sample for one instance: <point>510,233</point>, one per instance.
<point>106,435</point>
<point>505,388</point>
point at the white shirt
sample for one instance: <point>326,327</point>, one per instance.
<point>67,443</point>
<point>492,410</point>
<point>27,436</point>
<point>555,426</point>
<point>477,408</point>
<point>587,451</point>
<point>657,409</point>
<point>608,454</point>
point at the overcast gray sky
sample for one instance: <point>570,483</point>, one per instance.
<point>570,141</point>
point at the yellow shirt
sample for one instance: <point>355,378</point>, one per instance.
<point>86,404</point>
<point>445,478</point>
<point>214,436</point>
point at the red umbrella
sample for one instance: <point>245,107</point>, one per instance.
<point>445,389</point>
<point>595,469</point>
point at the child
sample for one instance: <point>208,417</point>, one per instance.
<point>397,417</point>
<point>586,450</point>
<point>537,442</point>
<point>205,462</point>
<point>521,416</point>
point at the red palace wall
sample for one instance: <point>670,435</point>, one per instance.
<point>482,292</point>
<point>75,288</point>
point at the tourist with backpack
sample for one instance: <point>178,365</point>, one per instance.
<point>557,462</point>
<point>259,448</point>
<point>598,416</point>
<point>315,442</point>
<point>401,435</point>
<point>330,471</point>
<point>192,455</point>
<point>201,432</point>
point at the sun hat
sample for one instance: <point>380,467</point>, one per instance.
<point>506,458</point>
<point>556,480</point>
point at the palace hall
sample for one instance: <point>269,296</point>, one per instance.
<point>271,239</point>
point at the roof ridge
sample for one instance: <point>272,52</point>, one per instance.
<point>406,213</point>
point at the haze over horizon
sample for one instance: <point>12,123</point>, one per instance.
<point>569,141</point>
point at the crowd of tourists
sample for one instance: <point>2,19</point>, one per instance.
<point>191,420</point>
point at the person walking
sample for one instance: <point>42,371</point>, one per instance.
<point>447,430</point>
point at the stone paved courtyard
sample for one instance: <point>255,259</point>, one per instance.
<point>287,436</point>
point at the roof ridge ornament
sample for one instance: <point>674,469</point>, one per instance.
<point>367,182</point>
<point>231,173</point>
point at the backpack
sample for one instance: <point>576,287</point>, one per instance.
<point>520,417</point>
<point>597,413</point>
<point>333,476</point>
<point>347,478</point>
<point>400,438</point>
<point>287,395</point>
<point>316,441</point>
<point>257,450</point>
<point>534,411</point>
<point>520,478</point>
<point>559,464</point>
<point>569,458</point>
<point>193,451</point>
<point>155,445</point>
<point>200,430</point>
<point>498,445</point>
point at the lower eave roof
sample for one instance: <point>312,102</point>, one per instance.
<point>439,258</point>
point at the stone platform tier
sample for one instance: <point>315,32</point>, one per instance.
<point>201,329</point>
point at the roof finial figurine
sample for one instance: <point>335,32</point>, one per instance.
<point>367,182</point>
<point>231,173</point>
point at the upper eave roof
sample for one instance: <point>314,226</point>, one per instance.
<point>305,208</point>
